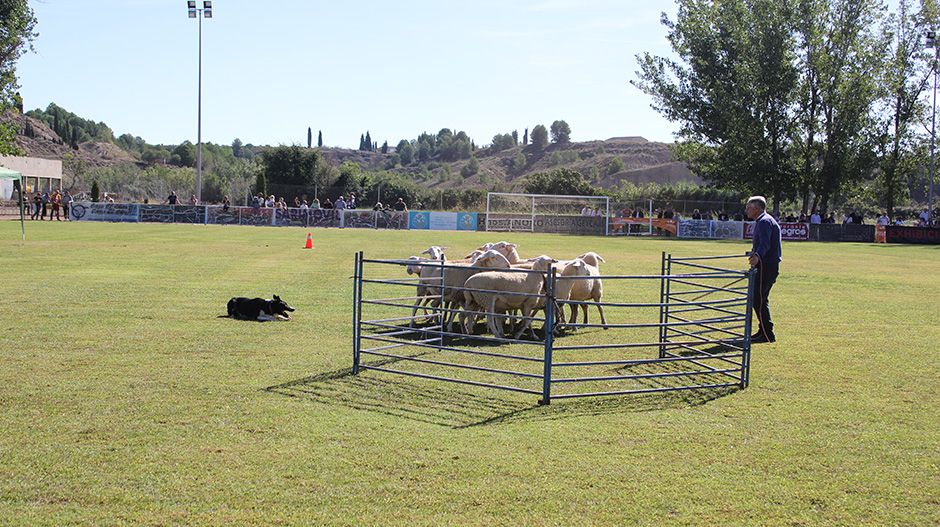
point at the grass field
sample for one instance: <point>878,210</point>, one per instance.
<point>125,400</point>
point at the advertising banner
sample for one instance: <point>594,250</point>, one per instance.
<point>442,221</point>
<point>788,231</point>
<point>919,235</point>
<point>87,211</point>
<point>726,230</point>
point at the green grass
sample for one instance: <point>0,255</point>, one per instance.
<point>124,400</point>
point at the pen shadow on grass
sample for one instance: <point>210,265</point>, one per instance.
<point>461,406</point>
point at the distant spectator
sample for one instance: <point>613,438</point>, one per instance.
<point>56,200</point>
<point>193,201</point>
<point>722,216</point>
<point>815,218</point>
<point>586,211</point>
<point>340,203</point>
<point>925,216</point>
<point>315,204</point>
<point>883,219</point>
<point>738,216</point>
<point>66,202</point>
<point>400,205</point>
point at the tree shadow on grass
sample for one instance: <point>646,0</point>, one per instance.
<point>461,406</point>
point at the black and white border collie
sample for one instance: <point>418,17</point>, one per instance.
<point>243,308</point>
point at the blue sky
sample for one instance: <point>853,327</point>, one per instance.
<point>272,69</point>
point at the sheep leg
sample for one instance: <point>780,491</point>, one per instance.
<point>600,309</point>
<point>526,322</point>
<point>492,320</point>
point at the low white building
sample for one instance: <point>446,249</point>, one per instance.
<point>40,174</point>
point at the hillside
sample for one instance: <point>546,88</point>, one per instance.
<point>46,144</point>
<point>644,161</point>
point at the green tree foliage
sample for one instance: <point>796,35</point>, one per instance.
<point>554,159</point>
<point>95,191</point>
<point>187,154</point>
<point>320,139</point>
<point>519,162</point>
<point>734,97</point>
<point>309,137</point>
<point>563,181</point>
<point>539,137</point>
<point>17,32</point>
<point>470,168</point>
<point>237,147</point>
<point>616,165</point>
<point>561,133</point>
<point>63,122</point>
<point>503,142</point>
<point>405,152</point>
<point>905,79</point>
<point>290,165</point>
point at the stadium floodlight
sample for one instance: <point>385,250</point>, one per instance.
<point>194,12</point>
<point>932,43</point>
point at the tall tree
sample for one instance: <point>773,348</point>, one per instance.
<point>290,165</point>
<point>561,132</point>
<point>841,62</point>
<point>320,139</point>
<point>539,137</point>
<point>309,137</point>
<point>905,79</point>
<point>237,147</point>
<point>733,93</point>
<point>17,24</point>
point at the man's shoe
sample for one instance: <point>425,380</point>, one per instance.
<point>761,337</point>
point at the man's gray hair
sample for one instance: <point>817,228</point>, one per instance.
<point>760,201</point>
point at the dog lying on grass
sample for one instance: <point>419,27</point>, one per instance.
<point>242,308</point>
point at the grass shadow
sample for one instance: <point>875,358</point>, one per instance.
<point>458,406</point>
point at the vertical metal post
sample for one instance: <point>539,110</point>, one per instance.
<point>549,330</point>
<point>664,283</point>
<point>746,348</point>
<point>357,314</point>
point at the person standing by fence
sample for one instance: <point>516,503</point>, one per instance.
<point>765,256</point>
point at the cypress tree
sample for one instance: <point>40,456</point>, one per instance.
<point>320,139</point>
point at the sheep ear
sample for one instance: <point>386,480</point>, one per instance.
<point>426,251</point>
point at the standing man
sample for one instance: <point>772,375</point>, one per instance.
<point>765,256</point>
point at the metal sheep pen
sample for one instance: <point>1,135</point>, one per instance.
<point>696,336</point>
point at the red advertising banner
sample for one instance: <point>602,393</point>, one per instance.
<point>788,231</point>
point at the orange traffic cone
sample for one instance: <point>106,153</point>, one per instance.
<point>309,241</point>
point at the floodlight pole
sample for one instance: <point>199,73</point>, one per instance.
<point>194,12</point>
<point>932,43</point>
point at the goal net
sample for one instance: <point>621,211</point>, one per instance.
<point>517,212</point>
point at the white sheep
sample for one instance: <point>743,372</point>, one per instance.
<point>582,289</point>
<point>496,292</point>
<point>428,290</point>
<point>455,276</point>
<point>505,248</point>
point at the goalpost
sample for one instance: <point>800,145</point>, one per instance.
<point>507,212</point>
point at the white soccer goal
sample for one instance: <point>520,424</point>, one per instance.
<point>517,212</point>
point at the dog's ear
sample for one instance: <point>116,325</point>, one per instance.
<point>277,297</point>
